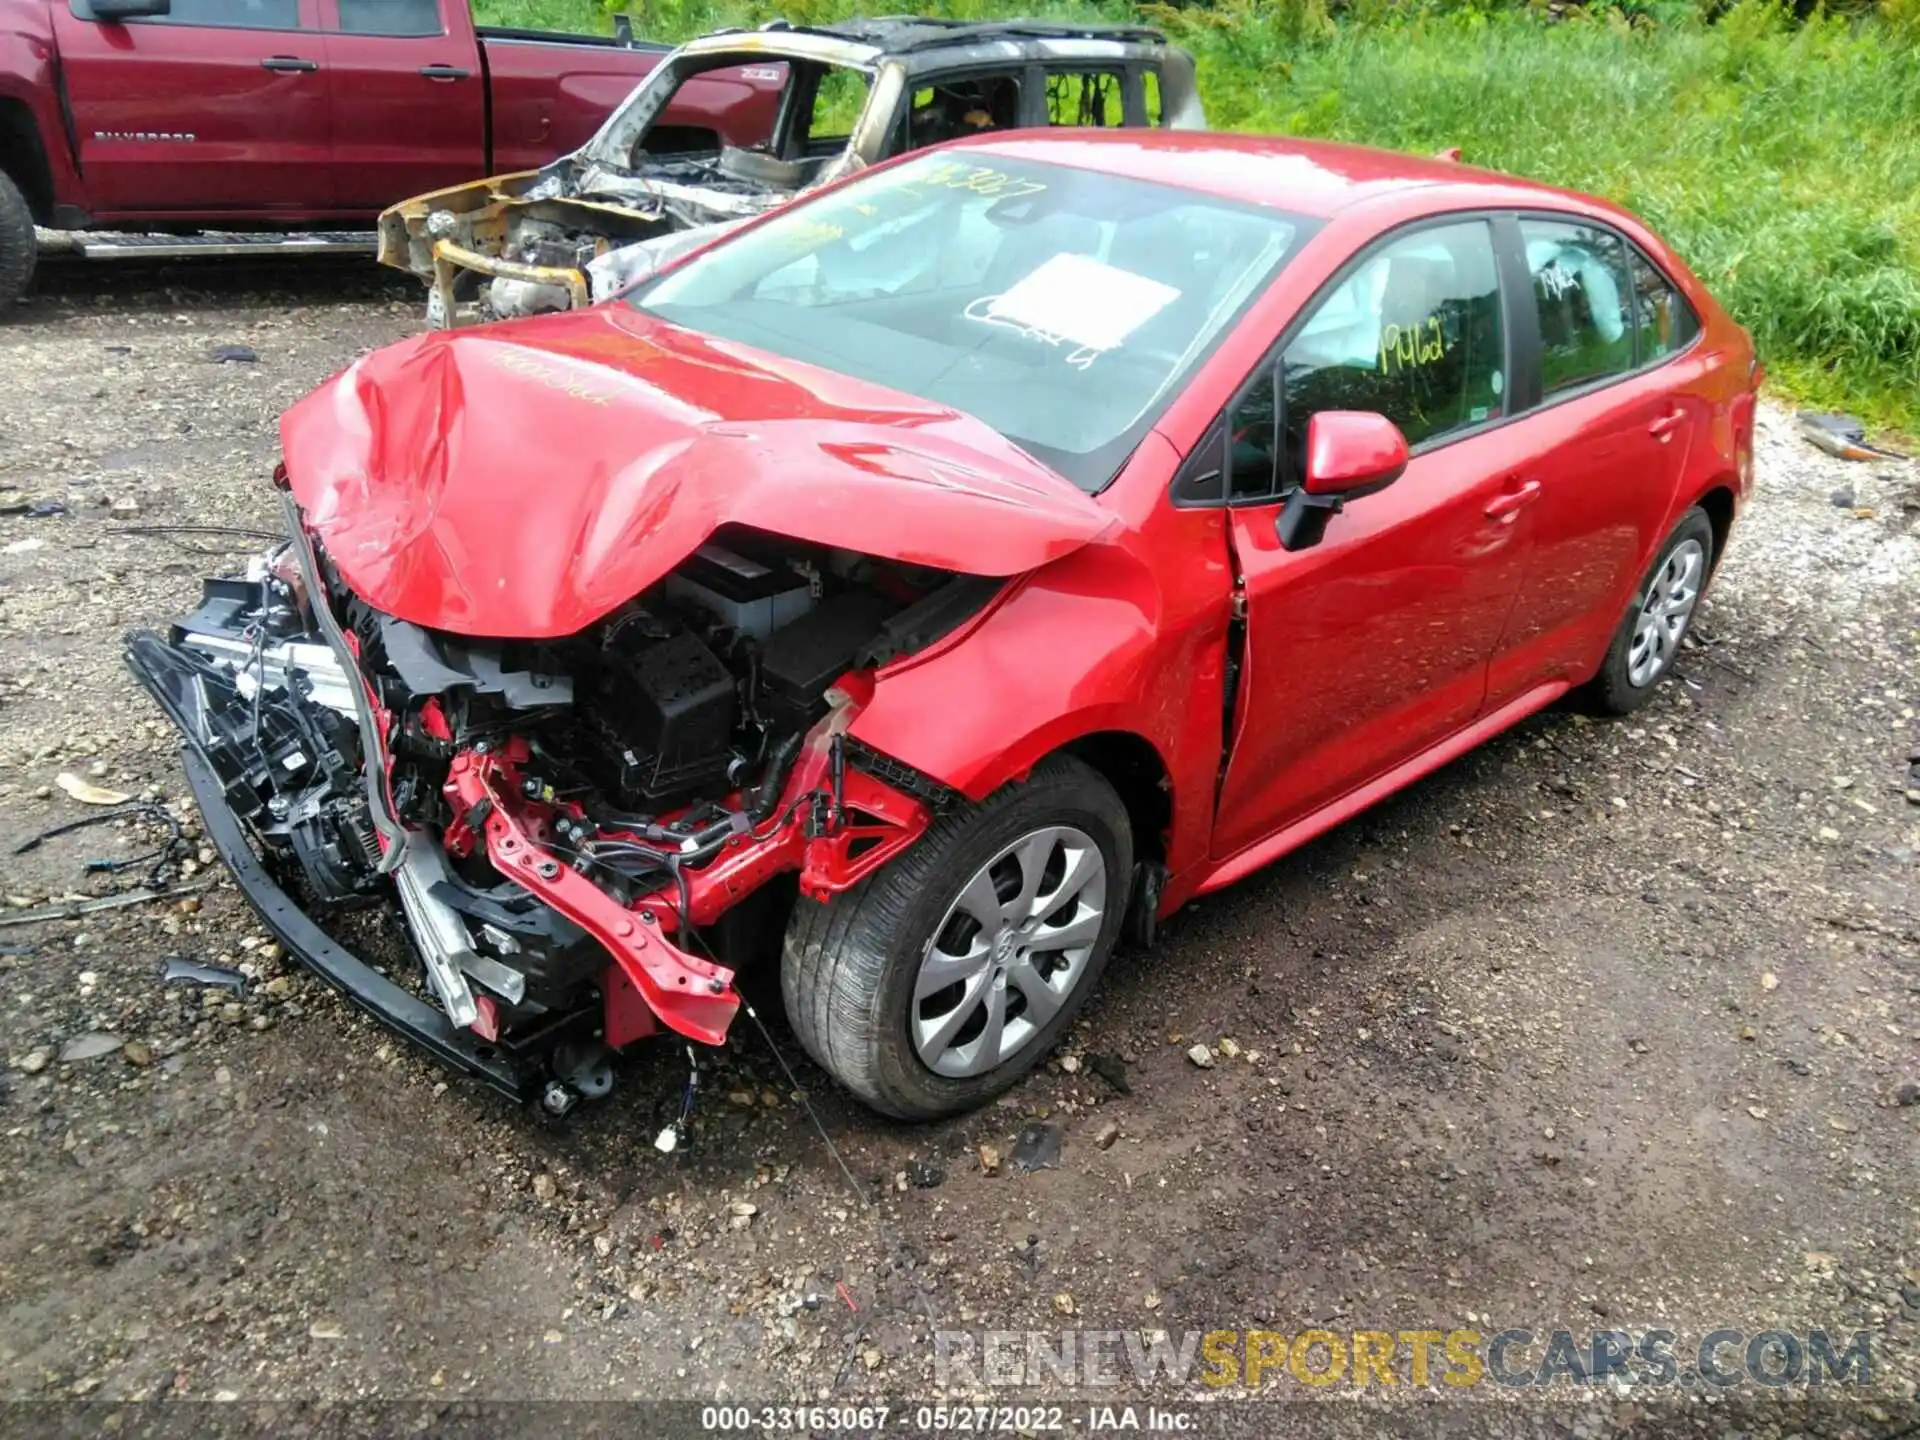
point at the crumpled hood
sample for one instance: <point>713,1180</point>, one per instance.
<point>522,480</point>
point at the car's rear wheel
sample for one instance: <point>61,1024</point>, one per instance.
<point>18,247</point>
<point>1648,640</point>
<point>937,983</point>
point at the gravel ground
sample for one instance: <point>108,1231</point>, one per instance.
<point>1603,1025</point>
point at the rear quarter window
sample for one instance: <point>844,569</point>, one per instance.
<point>1665,322</point>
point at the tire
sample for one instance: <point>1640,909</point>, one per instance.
<point>18,248</point>
<point>850,967</point>
<point>1626,681</point>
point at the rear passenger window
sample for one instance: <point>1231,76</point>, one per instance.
<point>1415,333</point>
<point>1087,97</point>
<point>1581,292</point>
<point>1665,321</point>
<point>1150,89</point>
<point>390,17</point>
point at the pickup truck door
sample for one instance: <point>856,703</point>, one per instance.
<point>409,99</point>
<point>216,109</point>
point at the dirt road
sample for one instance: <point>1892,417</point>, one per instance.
<point>1603,1026</point>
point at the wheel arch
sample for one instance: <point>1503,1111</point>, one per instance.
<point>23,157</point>
<point>1133,765</point>
<point>1718,504</point>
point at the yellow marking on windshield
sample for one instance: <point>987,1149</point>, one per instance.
<point>981,180</point>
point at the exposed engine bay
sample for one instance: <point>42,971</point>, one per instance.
<point>551,812</point>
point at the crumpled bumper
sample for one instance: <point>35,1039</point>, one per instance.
<point>502,1066</point>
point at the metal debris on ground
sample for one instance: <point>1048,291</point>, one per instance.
<point>1038,1147</point>
<point>1841,435</point>
<point>72,909</point>
<point>34,509</point>
<point>233,355</point>
<point>91,1046</point>
<point>197,972</point>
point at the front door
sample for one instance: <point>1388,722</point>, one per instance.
<point>1374,645</point>
<point>217,108</point>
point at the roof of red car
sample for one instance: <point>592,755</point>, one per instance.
<point>1308,177</point>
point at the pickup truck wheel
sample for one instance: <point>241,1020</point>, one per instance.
<point>937,983</point>
<point>1648,640</point>
<point>18,248</point>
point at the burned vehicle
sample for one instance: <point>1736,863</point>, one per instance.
<point>937,578</point>
<point>849,95</point>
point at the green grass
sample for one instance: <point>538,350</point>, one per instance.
<point>1782,160</point>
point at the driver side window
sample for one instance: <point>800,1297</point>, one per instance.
<point>1415,333</point>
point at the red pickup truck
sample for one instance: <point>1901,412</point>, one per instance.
<point>273,115</point>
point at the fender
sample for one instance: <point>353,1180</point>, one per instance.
<point>1152,650</point>
<point>29,78</point>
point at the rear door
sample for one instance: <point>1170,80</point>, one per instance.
<point>409,99</point>
<point>1614,423</point>
<point>216,109</point>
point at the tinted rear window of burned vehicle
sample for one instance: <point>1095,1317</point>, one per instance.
<point>1063,307</point>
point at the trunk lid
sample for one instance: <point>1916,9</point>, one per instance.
<point>523,480</point>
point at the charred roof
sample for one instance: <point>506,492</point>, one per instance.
<point>913,34</point>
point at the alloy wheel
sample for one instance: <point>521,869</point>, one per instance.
<point>1664,613</point>
<point>1009,951</point>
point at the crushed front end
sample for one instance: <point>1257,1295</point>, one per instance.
<point>561,823</point>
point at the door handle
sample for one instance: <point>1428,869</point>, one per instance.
<point>1663,428</point>
<point>443,72</point>
<point>289,62</point>
<point>1503,505</point>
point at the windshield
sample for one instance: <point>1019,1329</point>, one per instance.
<point>1063,307</point>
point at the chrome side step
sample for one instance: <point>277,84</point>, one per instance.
<point>192,247</point>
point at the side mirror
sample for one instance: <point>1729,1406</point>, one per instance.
<point>129,9</point>
<point>1350,453</point>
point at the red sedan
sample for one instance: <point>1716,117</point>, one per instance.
<point>940,579</point>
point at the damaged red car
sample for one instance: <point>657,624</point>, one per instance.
<point>939,579</point>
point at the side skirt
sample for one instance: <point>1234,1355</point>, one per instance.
<point>1264,852</point>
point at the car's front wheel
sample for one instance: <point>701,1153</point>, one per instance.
<point>1648,639</point>
<point>937,983</point>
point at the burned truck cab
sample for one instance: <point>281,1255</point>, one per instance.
<point>641,193</point>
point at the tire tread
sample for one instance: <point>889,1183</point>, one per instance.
<point>837,955</point>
